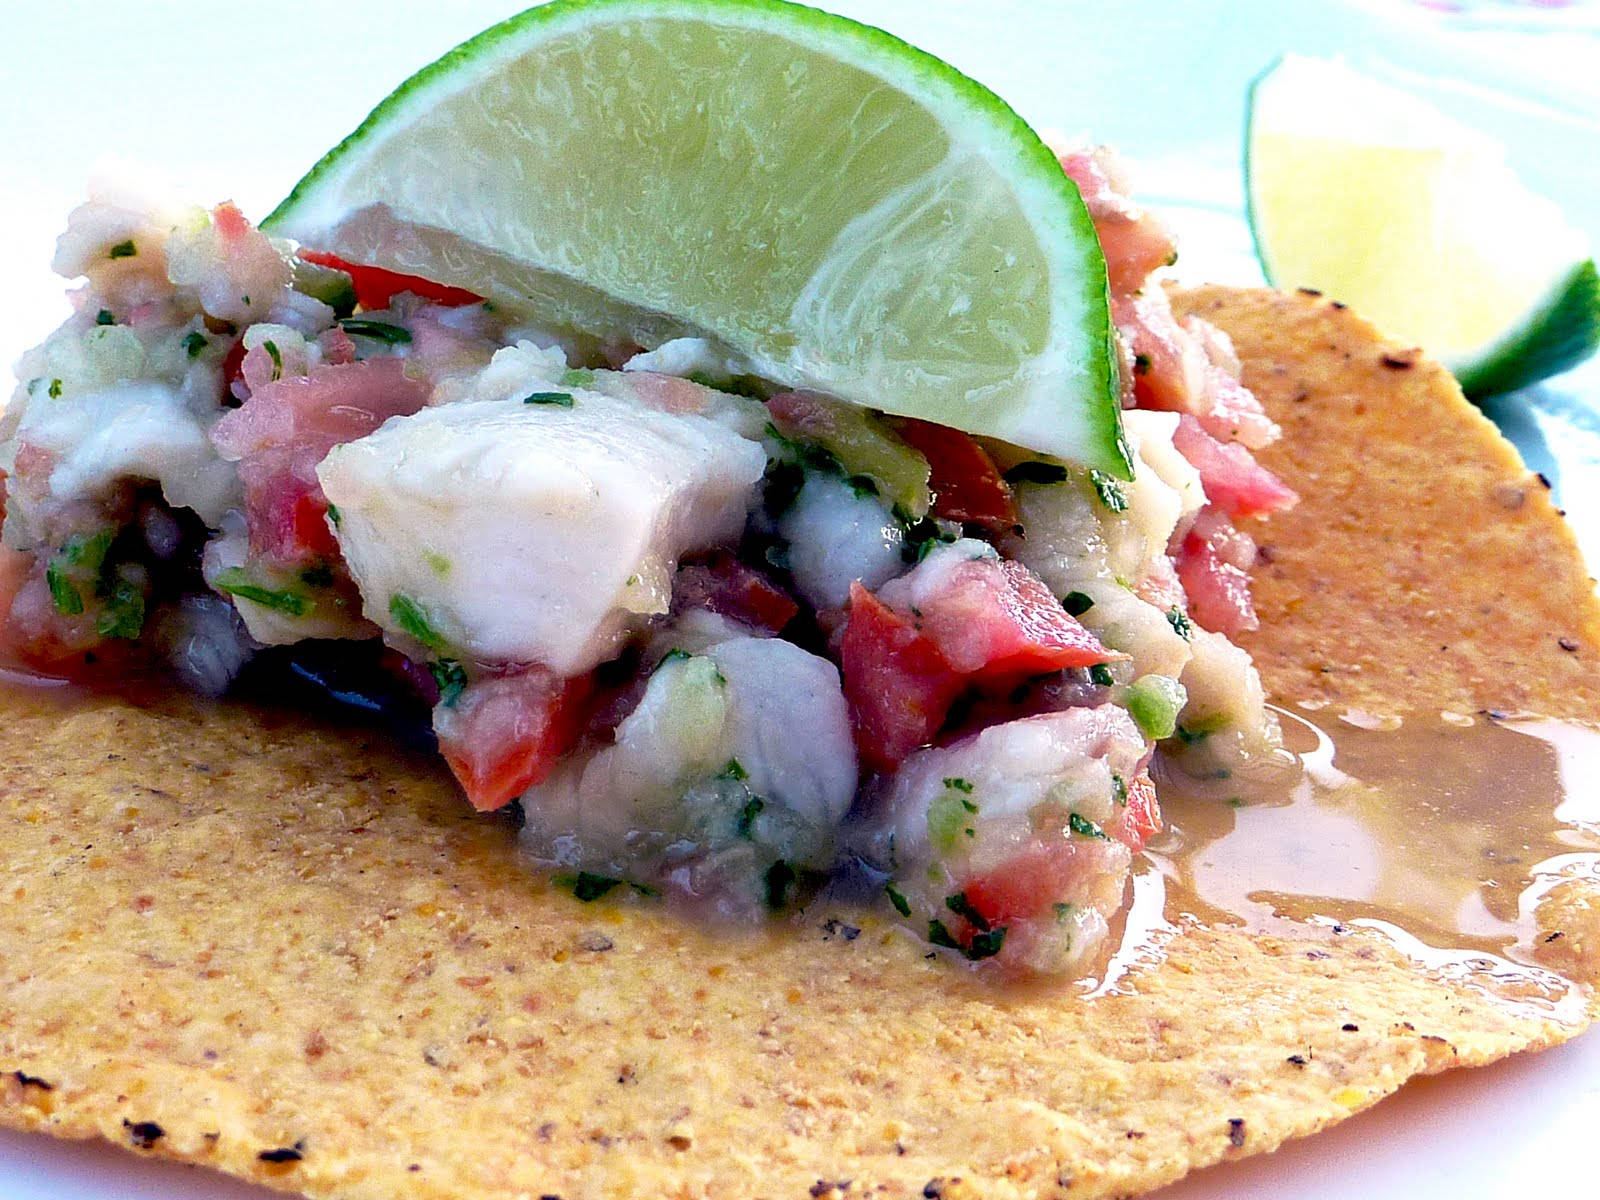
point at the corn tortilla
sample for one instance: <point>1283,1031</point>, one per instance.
<point>286,951</point>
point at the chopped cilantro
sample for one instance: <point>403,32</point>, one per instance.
<point>1077,603</point>
<point>1084,827</point>
<point>1190,737</point>
<point>674,655</point>
<point>63,594</point>
<point>87,550</point>
<point>320,576</point>
<point>577,377</point>
<point>1034,471</point>
<point>747,816</point>
<point>1141,364</point>
<point>104,317</point>
<point>1181,625</point>
<point>1111,492</point>
<point>921,537</point>
<point>413,620</point>
<point>1100,674</point>
<point>123,615</point>
<point>451,678</point>
<point>1063,910</point>
<point>559,399</point>
<point>735,770</point>
<point>235,582</point>
<point>123,250</point>
<point>1235,801</point>
<point>194,343</point>
<point>334,515</point>
<point>54,390</point>
<point>898,899</point>
<point>983,945</point>
<point>780,880</point>
<point>271,348</point>
<point>1119,789</point>
<point>378,331</point>
<point>962,907</point>
<point>955,783</point>
<point>587,886</point>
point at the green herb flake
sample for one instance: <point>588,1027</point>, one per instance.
<point>864,487</point>
<point>123,250</point>
<point>63,594</point>
<point>271,348</point>
<point>1100,674</point>
<point>377,331</point>
<point>577,377</point>
<point>87,550</point>
<point>123,615</point>
<point>54,390</point>
<point>1034,471</point>
<point>1235,801</point>
<point>957,784</point>
<point>898,899</point>
<point>734,770</point>
<point>1063,910</point>
<point>1191,737</point>
<point>1084,827</point>
<point>451,678</point>
<point>334,515</point>
<point>558,399</point>
<point>1181,625</point>
<point>1141,364</point>
<point>236,583</point>
<point>1077,603</point>
<point>962,907</point>
<point>676,654</point>
<point>1119,790</point>
<point>413,620</point>
<point>587,886</point>
<point>104,317</point>
<point>1111,491</point>
<point>746,820</point>
<point>319,576</point>
<point>983,945</point>
<point>194,343</point>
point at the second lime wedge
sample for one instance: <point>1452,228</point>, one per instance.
<point>837,208</point>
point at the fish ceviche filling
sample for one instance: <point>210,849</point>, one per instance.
<point>718,640</point>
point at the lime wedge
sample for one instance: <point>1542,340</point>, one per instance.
<point>841,210</point>
<point>1376,198</point>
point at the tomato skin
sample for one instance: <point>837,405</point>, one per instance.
<point>733,589</point>
<point>967,486</point>
<point>898,684</point>
<point>375,286</point>
<point>504,734</point>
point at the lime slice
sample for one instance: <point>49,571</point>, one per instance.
<point>1376,198</point>
<point>839,209</point>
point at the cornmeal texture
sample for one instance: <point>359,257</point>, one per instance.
<point>291,952</point>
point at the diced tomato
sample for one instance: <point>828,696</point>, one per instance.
<point>1025,885</point>
<point>375,286</point>
<point>504,734</point>
<point>1218,590</point>
<point>286,428</point>
<point>899,686</point>
<point>725,585</point>
<point>232,369</point>
<point>994,619</point>
<point>966,484</point>
<point>1141,817</point>
<point>1135,242</point>
<point>1233,480</point>
<point>229,222</point>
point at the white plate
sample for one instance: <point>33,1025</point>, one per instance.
<point>238,100</point>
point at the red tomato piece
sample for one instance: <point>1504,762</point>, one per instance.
<point>1218,591</point>
<point>996,620</point>
<point>899,686</point>
<point>1141,817</point>
<point>1135,242</point>
<point>375,286</point>
<point>503,734</point>
<point>1234,481</point>
<point>734,589</point>
<point>1025,885</point>
<point>966,484</point>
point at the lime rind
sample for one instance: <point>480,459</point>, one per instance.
<point>1071,391</point>
<point>1555,338</point>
